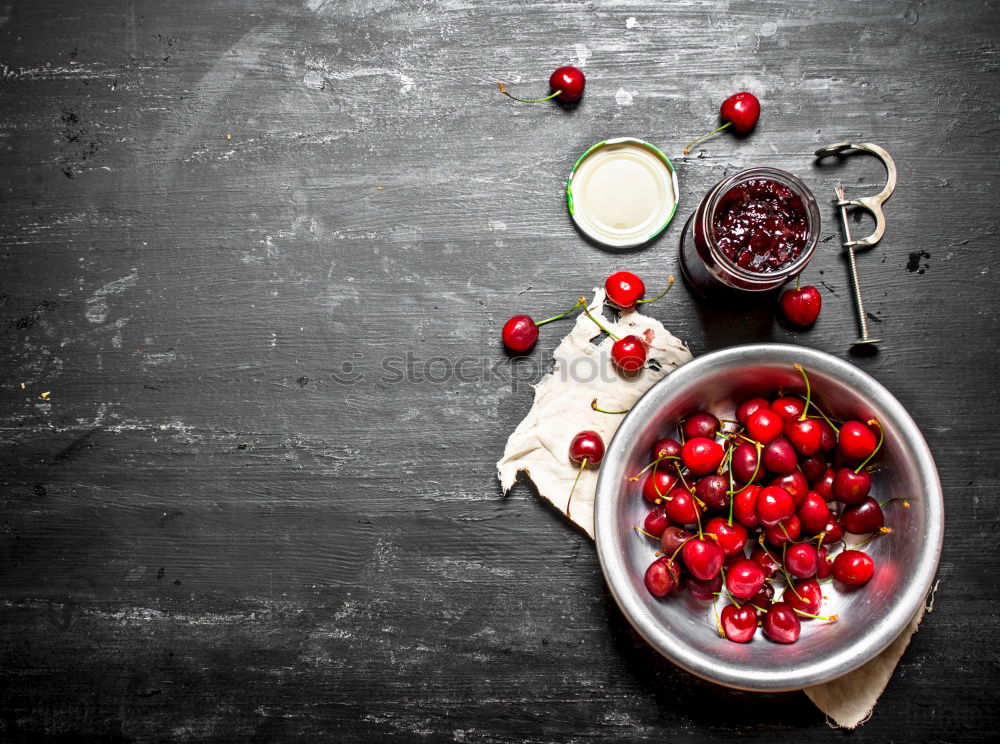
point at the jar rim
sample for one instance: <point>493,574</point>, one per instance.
<point>812,219</point>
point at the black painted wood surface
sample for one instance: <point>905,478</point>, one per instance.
<point>226,227</point>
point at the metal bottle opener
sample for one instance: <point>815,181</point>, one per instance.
<point>874,205</point>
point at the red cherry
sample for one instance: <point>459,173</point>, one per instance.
<point>813,513</point>
<point>863,518</point>
<point>656,521</point>
<point>519,333</point>
<point>781,624</point>
<point>824,486</point>
<point>657,485</point>
<point>795,483</point>
<point>773,505</point>
<point>850,487</point>
<point>786,531</point>
<point>745,578</point>
<point>788,408</point>
<point>742,110</point>
<point>706,589</point>
<point>825,563</point>
<point>801,306</point>
<point>673,538</point>
<point>701,456</point>
<point>713,491</point>
<point>744,462</point>
<point>807,596</point>
<point>570,81</point>
<point>750,407</point>
<point>666,447</point>
<point>853,567</point>
<point>681,507</point>
<point>762,599</point>
<point>587,446</point>
<point>730,537</point>
<point>738,623</point>
<point>856,440</point>
<point>813,467</point>
<point>829,441</point>
<point>661,577</point>
<point>700,424</point>
<point>703,558</point>
<point>833,532</point>
<point>624,289</point>
<point>764,425</point>
<point>629,353</point>
<point>802,560</point>
<point>780,457</point>
<point>745,506</point>
<point>805,435</point>
<point>766,561</point>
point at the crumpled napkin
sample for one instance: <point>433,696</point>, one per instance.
<point>584,371</point>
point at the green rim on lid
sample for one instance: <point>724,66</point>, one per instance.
<point>622,192</point>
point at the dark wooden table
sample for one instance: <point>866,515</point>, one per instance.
<point>244,245</point>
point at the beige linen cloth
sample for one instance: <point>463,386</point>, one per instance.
<point>583,371</point>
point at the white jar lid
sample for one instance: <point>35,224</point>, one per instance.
<point>622,192</point>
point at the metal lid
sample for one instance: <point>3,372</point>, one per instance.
<point>622,192</point>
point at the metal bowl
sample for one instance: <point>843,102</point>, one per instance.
<point>871,617</point>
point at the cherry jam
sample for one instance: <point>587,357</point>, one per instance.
<point>753,231</point>
<point>760,225</point>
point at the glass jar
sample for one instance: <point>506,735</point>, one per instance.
<point>708,270</point>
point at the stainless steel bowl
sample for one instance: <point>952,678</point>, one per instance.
<point>871,617</point>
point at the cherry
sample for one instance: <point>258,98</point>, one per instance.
<point>749,407</point>
<point>781,623</point>
<point>661,577</point>
<point>745,506</point>
<point>738,623</point>
<point>657,485</point>
<point>730,537</point>
<point>856,441</point>
<point>624,289</point>
<point>586,448</point>
<point>673,538</point>
<point>813,467</point>
<point>740,111</point>
<point>705,590</point>
<point>829,441</point>
<point>863,518</point>
<point>813,513</point>
<point>745,578</point>
<point>804,595</point>
<point>666,447</point>
<point>681,507</point>
<point>762,599</point>
<point>804,434</point>
<point>825,563</point>
<point>566,83</point>
<point>764,425</point>
<point>850,487</point>
<point>786,531</point>
<point>702,557</point>
<point>853,567</point>
<point>779,456</point>
<point>788,408</point>
<point>700,424</point>
<point>713,490</point>
<point>744,462</point>
<point>832,532</point>
<point>519,333</point>
<point>801,306</point>
<point>627,352</point>
<point>773,505</point>
<point>701,456</point>
<point>795,483</point>
<point>802,560</point>
<point>656,521</point>
<point>766,560</point>
<point>824,485</point>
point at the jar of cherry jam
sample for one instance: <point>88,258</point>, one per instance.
<point>753,231</point>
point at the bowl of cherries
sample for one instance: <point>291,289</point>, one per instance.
<point>769,517</point>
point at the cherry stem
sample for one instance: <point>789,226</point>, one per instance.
<point>805,408</point>
<point>904,502</point>
<point>881,438</point>
<point>643,532</point>
<point>683,543</point>
<point>784,570</point>
<point>653,464</point>
<point>670,283</point>
<point>503,89</point>
<point>831,618</point>
<point>878,533</point>
<point>823,415</point>
<point>687,150</point>
<point>586,311</point>
<point>579,472</point>
<point>557,317</point>
<point>715,611</point>
<point>798,282</point>
<point>593,405</point>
